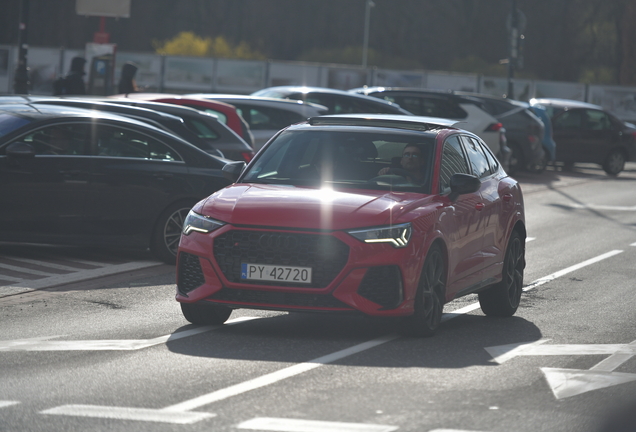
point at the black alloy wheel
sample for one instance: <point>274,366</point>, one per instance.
<point>203,313</point>
<point>503,298</point>
<point>165,240</point>
<point>614,162</point>
<point>429,302</point>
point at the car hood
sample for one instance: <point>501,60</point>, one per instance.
<point>308,208</point>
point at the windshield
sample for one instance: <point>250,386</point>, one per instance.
<point>347,159</point>
<point>9,123</point>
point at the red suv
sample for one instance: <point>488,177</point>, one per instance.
<point>388,215</point>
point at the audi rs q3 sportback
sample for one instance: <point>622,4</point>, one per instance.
<point>384,215</point>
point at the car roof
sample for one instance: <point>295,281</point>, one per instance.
<point>173,97</point>
<point>326,90</point>
<point>251,98</point>
<point>564,103</point>
<point>385,120</point>
<point>109,107</point>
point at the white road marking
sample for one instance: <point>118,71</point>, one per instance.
<point>529,239</point>
<point>4,404</point>
<point>50,264</point>
<point>43,344</point>
<point>277,376</point>
<point>633,244</point>
<point>571,382</point>
<point>600,207</point>
<point>122,413</point>
<point>32,285</point>
<point>565,271</point>
<point>25,270</point>
<point>293,425</point>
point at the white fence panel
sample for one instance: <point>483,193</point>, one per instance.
<point>619,100</point>
<point>282,74</point>
<point>497,86</point>
<point>346,78</point>
<point>396,78</point>
<point>451,81</point>
<point>561,90</point>
<point>239,76</point>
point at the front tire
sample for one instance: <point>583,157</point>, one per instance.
<point>205,314</point>
<point>167,233</point>
<point>429,299</point>
<point>614,163</point>
<point>503,298</point>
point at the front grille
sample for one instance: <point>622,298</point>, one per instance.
<point>278,299</point>
<point>190,273</point>
<point>325,254</point>
<point>382,285</point>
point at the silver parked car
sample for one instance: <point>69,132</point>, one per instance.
<point>265,115</point>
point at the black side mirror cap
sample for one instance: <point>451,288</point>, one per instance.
<point>463,184</point>
<point>233,170</point>
<point>20,150</point>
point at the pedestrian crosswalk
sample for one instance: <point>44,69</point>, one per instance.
<point>27,269</point>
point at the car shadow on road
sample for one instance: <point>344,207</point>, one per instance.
<point>297,338</point>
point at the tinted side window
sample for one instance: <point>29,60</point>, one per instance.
<point>492,160</point>
<point>61,139</point>
<point>429,105</point>
<point>264,118</point>
<point>453,162</point>
<point>118,142</point>
<point>571,119</point>
<point>477,159</point>
<point>201,129</point>
<point>597,120</point>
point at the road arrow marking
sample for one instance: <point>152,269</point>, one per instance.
<point>43,344</point>
<point>571,382</point>
<point>294,425</point>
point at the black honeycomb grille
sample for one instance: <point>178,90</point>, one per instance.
<point>325,254</point>
<point>279,300</point>
<point>382,285</point>
<point>190,273</point>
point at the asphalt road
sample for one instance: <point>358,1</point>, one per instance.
<point>113,353</point>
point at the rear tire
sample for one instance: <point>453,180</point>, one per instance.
<point>614,163</point>
<point>205,314</point>
<point>165,238</point>
<point>429,299</point>
<point>503,298</point>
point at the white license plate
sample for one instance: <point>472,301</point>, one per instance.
<point>267,272</point>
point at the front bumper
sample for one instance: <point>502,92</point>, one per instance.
<point>349,275</point>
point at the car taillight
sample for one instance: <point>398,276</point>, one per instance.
<point>247,156</point>
<point>494,127</point>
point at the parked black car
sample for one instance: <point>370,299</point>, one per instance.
<point>587,133</point>
<point>524,131</point>
<point>83,177</point>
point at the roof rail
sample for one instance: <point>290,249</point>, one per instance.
<point>383,120</point>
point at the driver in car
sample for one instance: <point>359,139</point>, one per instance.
<point>411,163</point>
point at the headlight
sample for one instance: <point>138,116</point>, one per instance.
<point>397,235</point>
<point>199,223</point>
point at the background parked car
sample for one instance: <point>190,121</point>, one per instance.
<point>266,116</point>
<point>442,104</point>
<point>203,123</point>
<point>225,112</point>
<point>585,132</point>
<point>336,101</point>
<point>201,129</point>
<point>83,177</point>
<point>524,131</point>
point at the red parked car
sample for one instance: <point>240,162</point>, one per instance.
<point>388,215</point>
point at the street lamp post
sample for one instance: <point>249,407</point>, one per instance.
<point>21,79</point>
<point>367,18</point>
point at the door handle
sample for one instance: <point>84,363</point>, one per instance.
<point>479,206</point>
<point>507,197</point>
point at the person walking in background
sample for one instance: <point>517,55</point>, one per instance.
<point>73,82</point>
<point>127,82</point>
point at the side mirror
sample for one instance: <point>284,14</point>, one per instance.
<point>463,184</point>
<point>20,150</point>
<point>233,170</point>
